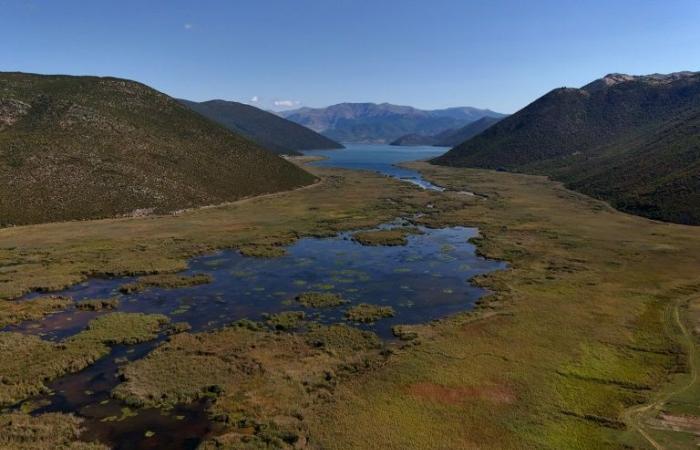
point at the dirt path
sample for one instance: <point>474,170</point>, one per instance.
<point>636,416</point>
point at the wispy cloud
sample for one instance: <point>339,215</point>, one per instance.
<point>286,103</point>
<point>254,99</point>
<point>188,26</point>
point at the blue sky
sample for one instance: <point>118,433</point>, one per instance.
<point>435,53</point>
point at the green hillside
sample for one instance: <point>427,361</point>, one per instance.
<point>269,130</point>
<point>88,147</point>
<point>631,140</point>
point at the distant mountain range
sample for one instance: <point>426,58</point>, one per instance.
<point>632,140</point>
<point>267,129</point>
<point>89,147</point>
<point>382,123</point>
<point>448,138</point>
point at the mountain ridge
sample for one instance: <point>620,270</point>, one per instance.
<point>448,138</point>
<point>269,130</point>
<point>631,140</point>
<point>382,122</point>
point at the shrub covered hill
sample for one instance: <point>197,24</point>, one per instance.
<point>89,147</point>
<point>269,130</point>
<point>631,140</point>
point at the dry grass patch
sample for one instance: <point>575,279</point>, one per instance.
<point>452,396</point>
<point>44,432</point>
<point>263,383</point>
<point>12,311</point>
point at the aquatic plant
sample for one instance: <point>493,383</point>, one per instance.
<point>262,251</point>
<point>97,304</point>
<point>122,328</point>
<point>392,237</point>
<point>367,313</point>
<point>286,320</point>
<point>319,299</point>
<point>165,281</point>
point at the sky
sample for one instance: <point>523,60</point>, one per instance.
<point>280,54</point>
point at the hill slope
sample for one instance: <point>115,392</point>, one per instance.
<point>269,130</point>
<point>448,138</point>
<point>382,123</point>
<point>632,140</point>
<point>88,147</point>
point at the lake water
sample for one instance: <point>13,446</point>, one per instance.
<point>381,158</point>
<point>425,279</point>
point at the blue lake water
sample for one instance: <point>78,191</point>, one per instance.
<point>382,159</point>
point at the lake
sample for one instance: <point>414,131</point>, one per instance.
<point>380,158</point>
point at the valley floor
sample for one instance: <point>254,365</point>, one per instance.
<point>588,340</point>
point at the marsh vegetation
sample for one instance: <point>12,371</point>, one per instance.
<point>339,386</point>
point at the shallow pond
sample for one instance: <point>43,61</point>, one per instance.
<point>381,158</point>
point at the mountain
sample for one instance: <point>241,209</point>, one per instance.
<point>415,139</point>
<point>267,129</point>
<point>89,147</point>
<point>631,140</point>
<point>382,123</point>
<point>448,138</point>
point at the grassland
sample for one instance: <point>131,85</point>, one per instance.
<point>578,333</point>
<point>263,382</point>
